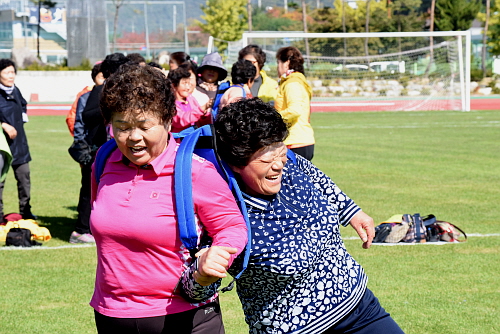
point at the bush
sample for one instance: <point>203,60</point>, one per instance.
<point>84,66</point>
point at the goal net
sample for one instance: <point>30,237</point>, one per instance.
<point>377,71</point>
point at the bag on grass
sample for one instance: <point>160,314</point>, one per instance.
<point>449,232</point>
<point>381,232</point>
<point>416,232</point>
<point>398,232</point>
<point>20,237</point>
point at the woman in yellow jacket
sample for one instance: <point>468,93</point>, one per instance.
<point>263,86</point>
<point>294,101</point>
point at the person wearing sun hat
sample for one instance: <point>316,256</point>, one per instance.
<point>210,73</point>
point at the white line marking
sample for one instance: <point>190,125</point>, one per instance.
<point>479,235</point>
<point>49,107</point>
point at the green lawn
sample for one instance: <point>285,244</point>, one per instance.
<point>445,163</point>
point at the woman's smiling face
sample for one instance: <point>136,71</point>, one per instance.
<point>262,175</point>
<point>140,136</point>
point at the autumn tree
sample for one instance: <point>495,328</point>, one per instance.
<point>224,20</point>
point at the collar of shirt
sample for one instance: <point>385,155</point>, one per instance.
<point>257,202</point>
<point>167,156</point>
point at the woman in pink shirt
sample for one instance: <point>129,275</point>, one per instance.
<point>140,257</point>
<point>189,112</point>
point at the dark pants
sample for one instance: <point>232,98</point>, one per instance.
<point>206,319</point>
<point>83,220</point>
<point>367,318</point>
<point>305,151</point>
<point>22,175</point>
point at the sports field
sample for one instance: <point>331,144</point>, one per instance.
<point>440,162</point>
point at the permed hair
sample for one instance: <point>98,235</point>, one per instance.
<point>111,63</point>
<point>246,126</point>
<point>175,76</point>
<point>138,88</point>
<point>292,54</point>
<point>95,71</point>
<point>243,72</point>
<point>256,52</point>
<point>4,63</point>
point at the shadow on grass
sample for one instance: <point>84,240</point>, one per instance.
<point>59,227</point>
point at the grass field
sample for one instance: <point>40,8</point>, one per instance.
<point>445,163</point>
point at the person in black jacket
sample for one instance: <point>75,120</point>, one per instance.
<point>13,116</point>
<point>96,134</point>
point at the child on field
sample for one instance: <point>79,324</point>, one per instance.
<point>189,112</point>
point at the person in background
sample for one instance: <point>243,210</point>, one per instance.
<point>300,277</point>
<point>136,58</point>
<point>140,257</point>
<point>12,117</point>
<point>98,79</point>
<point>95,134</point>
<point>210,73</point>
<point>200,97</point>
<point>294,101</point>
<point>263,86</point>
<point>189,113</point>
<point>177,59</point>
<point>242,78</point>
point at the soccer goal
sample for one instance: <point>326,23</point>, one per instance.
<point>378,71</point>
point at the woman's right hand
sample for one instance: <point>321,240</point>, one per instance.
<point>212,264</point>
<point>9,130</point>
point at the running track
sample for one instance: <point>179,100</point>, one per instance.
<point>348,106</point>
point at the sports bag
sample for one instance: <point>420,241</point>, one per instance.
<point>20,237</point>
<point>416,232</point>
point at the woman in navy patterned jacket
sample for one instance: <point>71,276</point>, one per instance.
<point>300,278</point>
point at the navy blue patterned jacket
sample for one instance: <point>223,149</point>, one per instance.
<point>300,278</point>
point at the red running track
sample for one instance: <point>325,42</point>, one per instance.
<point>476,104</point>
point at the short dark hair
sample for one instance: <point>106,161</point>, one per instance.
<point>155,64</point>
<point>246,126</point>
<point>256,52</point>
<point>180,57</point>
<point>138,88</point>
<point>292,54</point>
<point>175,76</point>
<point>242,72</point>
<point>190,66</point>
<point>95,71</point>
<point>4,63</point>
<point>136,58</point>
<point>111,63</point>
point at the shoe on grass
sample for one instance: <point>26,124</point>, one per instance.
<point>84,238</point>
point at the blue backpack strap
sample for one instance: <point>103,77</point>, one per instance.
<point>102,156</point>
<point>220,91</point>
<point>202,143</point>
<point>291,156</point>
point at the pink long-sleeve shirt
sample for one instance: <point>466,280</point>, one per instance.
<point>189,113</point>
<point>140,256</point>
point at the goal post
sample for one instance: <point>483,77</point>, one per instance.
<point>399,70</point>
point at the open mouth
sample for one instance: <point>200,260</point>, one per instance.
<point>137,149</point>
<point>273,178</point>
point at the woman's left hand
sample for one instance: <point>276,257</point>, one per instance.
<point>212,264</point>
<point>363,224</point>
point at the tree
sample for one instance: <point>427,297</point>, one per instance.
<point>431,39</point>
<point>117,4</point>
<point>493,31</point>
<point>46,4</point>
<point>406,17</point>
<point>225,20</point>
<point>456,15</point>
